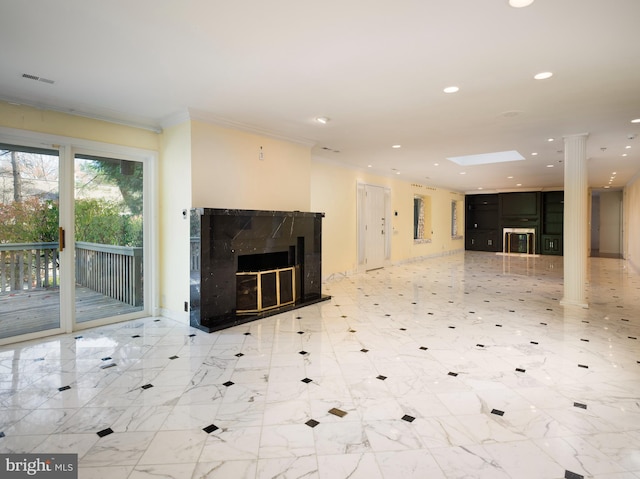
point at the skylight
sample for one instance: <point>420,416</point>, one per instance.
<point>487,158</point>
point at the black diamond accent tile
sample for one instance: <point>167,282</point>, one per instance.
<point>512,310</point>
<point>78,337</point>
<point>192,335</point>
<point>247,334</point>
<point>585,321</point>
<point>105,432</point>
<point>423,348</point>
<point>352,330</point>
<point>312,423</point>
<point>622,319</point>
<point>300,332</point>
<point>239,355</point>
<point>580,405</point>
<point>107,366</point>
<point>387,315</point>
<point>572,475</point>
<point>452,374</point>
<point>632,337</point>
<point>480,345</point>
<point>408,418</point>
<point>210,428</point>
<point>583,366</point>
<point>544,324</point>
<point>381,377</point>
<point>298,317</point>
<point>39,359</point>
<point>135,336</point>
<point>452,327</point>
<point>147,386</point>
<point>343,316</point>
<point>1,434</point>
<point>306,380</point>
<point>585,340</point>
<point>520,370</point>
<point>64,388</point>
<point>403,329</point>
<point>156,320</point>
<point>498,325</point>
<point>174,357</point>
<point>364,350</point>
<point>497,412</point>
<point>303,353</point>
<point>549,309</point>
<point>337,412</point>
<point>228,383</point>
<point>534,342</point>
<point>108,358</point>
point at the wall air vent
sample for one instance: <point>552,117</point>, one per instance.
<point>37,78</point>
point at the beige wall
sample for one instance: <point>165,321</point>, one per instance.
<point>226,170</point>
<point>54,123</point>
<point>175,197</point>
<point>334,192</point>
<point>631,226</point>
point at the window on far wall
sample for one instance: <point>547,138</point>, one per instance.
<point>421,218</point>
<point>454,218</point>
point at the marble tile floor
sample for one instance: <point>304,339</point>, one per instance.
<point>464,366</point>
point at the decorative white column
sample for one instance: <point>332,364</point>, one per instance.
<point>576,196</point>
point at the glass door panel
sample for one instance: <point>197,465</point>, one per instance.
<point>108,237</point>
<point>29,234</point>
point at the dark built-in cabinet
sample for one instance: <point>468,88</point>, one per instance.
<point>540,213</point>
<point>482,232</point>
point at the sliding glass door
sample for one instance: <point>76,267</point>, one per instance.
<point>109,206</point>
<point>72,225</point>
<point>29,240</point>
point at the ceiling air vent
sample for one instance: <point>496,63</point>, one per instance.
<point>37,78</point>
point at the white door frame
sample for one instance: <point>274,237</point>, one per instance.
<point>362,225</point>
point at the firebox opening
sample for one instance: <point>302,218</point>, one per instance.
<point>264,261</point>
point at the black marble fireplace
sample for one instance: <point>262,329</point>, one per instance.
<point>248,264</point>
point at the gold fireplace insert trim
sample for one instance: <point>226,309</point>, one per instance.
<point>259,276</point>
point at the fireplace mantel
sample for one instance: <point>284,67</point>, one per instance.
<point>219,237</point>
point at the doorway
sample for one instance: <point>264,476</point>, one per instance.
<point>72,239</point>
<point>374,239</point>
<point>606,224</point>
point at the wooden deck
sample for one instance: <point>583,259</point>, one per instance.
<point>37,310</point>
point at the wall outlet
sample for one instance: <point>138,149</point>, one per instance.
<point>186,306</point>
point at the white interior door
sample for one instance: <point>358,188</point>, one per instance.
<point>375,227</point>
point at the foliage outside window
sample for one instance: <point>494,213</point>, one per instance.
<point>421,219</point>
<point>454,218</point>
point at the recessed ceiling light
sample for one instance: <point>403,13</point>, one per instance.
<point>534,154</point>
<point>451,89</point>
<point>520,3</point>
<point>543,75</point>
<point>551,139</point>
<point>397,172</point>
<point>479,187</point>
<point>614,173</point>
<point>396,146</point>
<point>322,119</point>
<point>636,120</point>
<point>509,177</point>
<point>518,184</point>
<point>628,147</point>
<point>607,187</point>
<point>463,172</point>
<point>550,166</point>
<point>436,164</point>
<point>369,166</point>
<point>624,154</point>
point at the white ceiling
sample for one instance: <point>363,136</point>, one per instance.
<point>376,68</point>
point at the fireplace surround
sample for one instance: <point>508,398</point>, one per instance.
<point>248,264</point>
